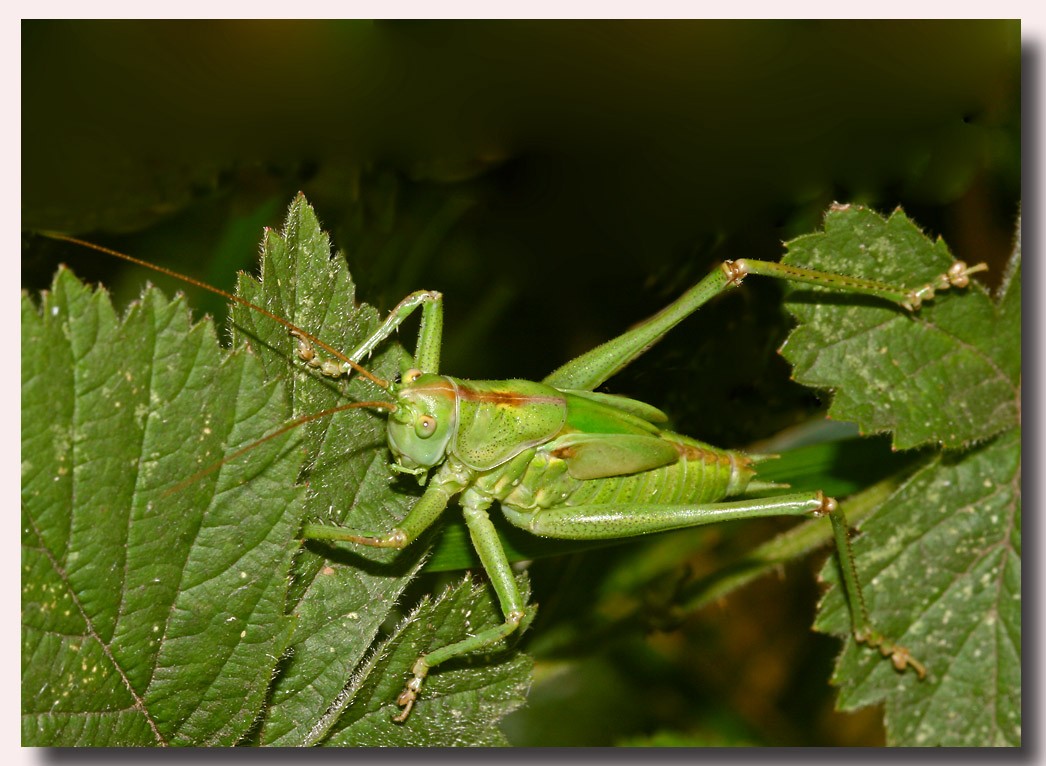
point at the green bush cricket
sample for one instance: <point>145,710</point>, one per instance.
<point>563,460</point>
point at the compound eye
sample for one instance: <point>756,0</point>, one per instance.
<point>425,426</point>
<point>411,375</point>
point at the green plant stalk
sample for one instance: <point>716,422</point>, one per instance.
<point>784,548</point>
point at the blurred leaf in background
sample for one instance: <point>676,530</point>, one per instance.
<point>576,160</point>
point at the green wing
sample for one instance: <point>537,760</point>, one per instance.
<point>599,456</point>
<point>641,410</point>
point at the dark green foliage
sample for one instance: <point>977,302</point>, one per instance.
<point>941,557</point>
<point>163,610</point>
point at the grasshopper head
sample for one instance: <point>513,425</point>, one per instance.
<point>424,420</point>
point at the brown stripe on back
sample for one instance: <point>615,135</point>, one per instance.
<point>508,397</point>
<point>694,453</point>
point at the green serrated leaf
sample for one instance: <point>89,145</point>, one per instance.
<point>939,556</point>
<point>340,603</point>
<point>459,705</point>
<point>164,647</point>
<point>152,613</point>
<point>153,586</point>
<point>941,565</point>
<point>942,375</point>
<point>342,595</point>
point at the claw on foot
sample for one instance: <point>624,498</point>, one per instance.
<point>958,275</point>
<point>410,692</point>
<point>407,698</point>
<point>901,658</point>
<point>308,355</point>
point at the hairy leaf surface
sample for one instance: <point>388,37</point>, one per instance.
<point>152,613</point>
<point>162,608</point>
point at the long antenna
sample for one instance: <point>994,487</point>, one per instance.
<point>388,406</point>
<point>229,296</point>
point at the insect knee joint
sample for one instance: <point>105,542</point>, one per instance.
<point>735,271</point>
<point>828,505</point>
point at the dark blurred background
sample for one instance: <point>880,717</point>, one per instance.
<point>556,180</point>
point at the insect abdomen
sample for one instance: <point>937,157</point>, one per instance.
<point>703,474</point>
